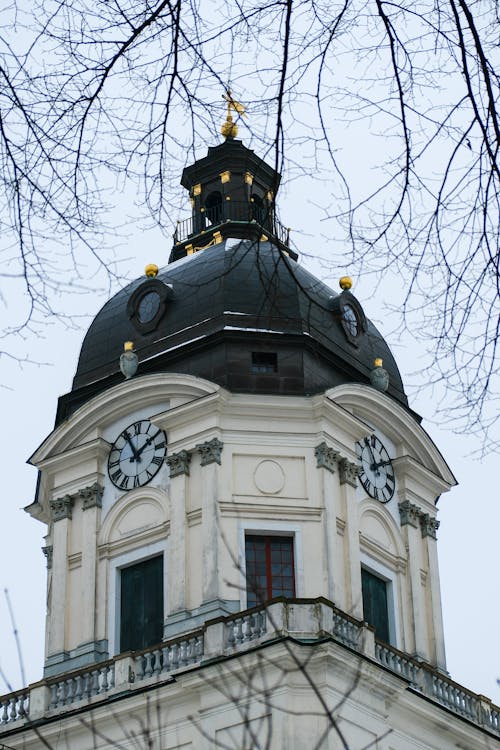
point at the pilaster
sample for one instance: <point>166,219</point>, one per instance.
<point>61,513</point>
<point>430,545</point>
<point>210,460</point>
<point>326,461</point>
<point>348,478</point>
<point>91,498</point>
<point>410,529</point>
<point>179,477</point>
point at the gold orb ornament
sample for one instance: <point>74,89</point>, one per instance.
<point>128,346</point>
<point>345,282</point>
<point>151,270</point>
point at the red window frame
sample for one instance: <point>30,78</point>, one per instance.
<point>270,567</point>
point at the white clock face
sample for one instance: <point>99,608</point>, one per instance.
<point>136,455</point>
<point>377,474</point>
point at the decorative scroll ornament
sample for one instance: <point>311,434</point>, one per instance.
<point>409,514</point>
<point>210,451</point>
<point>326,457</point>
<point>348,472</point>
<point>47,551</point>
<point>62,507</point>
<point>91,496</point>
<point>178,463</point>
<point>428,525</point>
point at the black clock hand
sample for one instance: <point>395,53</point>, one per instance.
<point>381,463</point>
<point>373,466</point>
<point>148,442</point>
<point>134,451</point>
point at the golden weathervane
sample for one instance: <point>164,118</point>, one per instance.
<point>229,128</point>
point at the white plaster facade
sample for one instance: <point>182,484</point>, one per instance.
<point>300,674</point>
<point>268,480</point>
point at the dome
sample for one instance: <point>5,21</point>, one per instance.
<point>242,314</point>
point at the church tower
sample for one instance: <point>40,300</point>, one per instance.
<point>241,511</point>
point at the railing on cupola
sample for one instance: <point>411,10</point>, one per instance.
<point>239,219</point>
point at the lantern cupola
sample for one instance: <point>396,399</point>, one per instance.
<point>232,193</point>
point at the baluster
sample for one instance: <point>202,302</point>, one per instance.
<point>165,659</point>
<point>94,687</point>
<point>148,671</point>
<point>182,654</point>
<point>199,647</point>
<point>5,715</point>
<point>77,694</point>
<point>174,656</point>
<point>12,708</point>
<point>68,689</point>
<point>111,675</point>
<point>157,661</point>
<point>139,667</point>
<point>238,636</point>
<point>23,706</point>
<point>104,679</point>
<point>61,694</point>
<point>86,685</point>
<point>53,695</point>
<point>230,634</point>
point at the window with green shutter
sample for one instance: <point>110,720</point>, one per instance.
<point>375,604</point>
<point>141,604</point>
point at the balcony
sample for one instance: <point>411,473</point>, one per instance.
<point>310,622</point>
<point>239,219</point>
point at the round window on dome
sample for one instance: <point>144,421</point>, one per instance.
<point>350,320</point>
<point>352,317</point>
<point>148,305</point>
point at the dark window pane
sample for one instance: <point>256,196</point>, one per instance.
<point>274,576</point>
<point>141,607</point>
<point>375,610</point>
<point>263,362</point>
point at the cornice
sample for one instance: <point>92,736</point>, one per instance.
<point>138,392</point>
<point>397,423</point>
<point>283,512</point>
<point>409,469</point>
<point>92,450</point>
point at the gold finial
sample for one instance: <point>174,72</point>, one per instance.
<point>229,128</point>
<point>128,346</point>
<point>378,362</point>
<point>345,282</point>
<point>151,270</point>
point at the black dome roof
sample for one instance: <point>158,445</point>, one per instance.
<point>241,314</point>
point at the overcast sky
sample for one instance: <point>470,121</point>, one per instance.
<point>469,514</point>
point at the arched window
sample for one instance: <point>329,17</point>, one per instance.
<point>213,207</point>
<point>258,208</point>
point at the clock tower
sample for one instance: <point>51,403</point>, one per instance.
<point>241,510</point>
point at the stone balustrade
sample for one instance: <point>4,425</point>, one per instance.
<point>14,706</point>
<point>302,619</point>
<point>397,662</point>
<point>81,685</point>
<point>166,658</point>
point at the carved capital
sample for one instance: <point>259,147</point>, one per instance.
<point>428,525</point>
<point>409,513</point>
<point>348,472</point>
<point>91,496</point>
<point>178,463</point>
<point>326,458</point>
<point>47,551</point>
<point>61,507</point>
<point>210,451</point>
